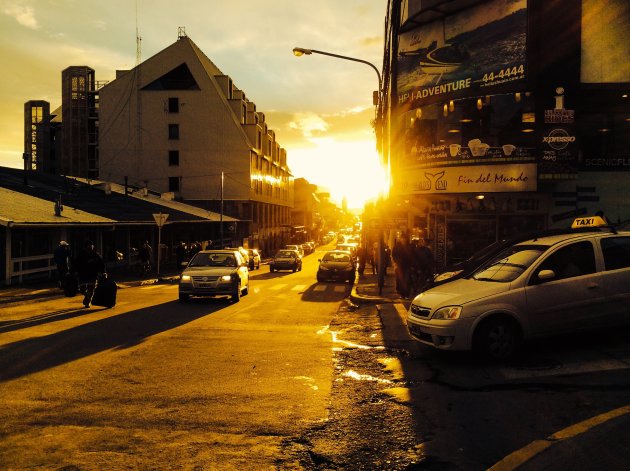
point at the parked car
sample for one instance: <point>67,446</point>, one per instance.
<point>286,259</point>
<point>336,265</point>
<point>243,251</point>
<point>254,259</point>
<point>308,247</point>
<point>466,267</point>
<point>297,247</point>
<point>215,273</point>
<point>539,287</point>
<point>353,248</point>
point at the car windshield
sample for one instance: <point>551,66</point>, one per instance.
<point>336,257</point>
<point>213,260</point>
<point>509,264</point>
<point>285,254</point>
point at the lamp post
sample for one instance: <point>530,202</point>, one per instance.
<point>377,101</point>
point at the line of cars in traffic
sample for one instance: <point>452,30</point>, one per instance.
<point>225,272</point>
<point>534,285</point>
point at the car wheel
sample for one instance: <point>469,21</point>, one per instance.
<point>295,268</point>
<point>183,297</point>
<point>320,279</point>
<point>236,296</point>
<point>246,290</point>
<point>497,339</point>
<point>271,269</point>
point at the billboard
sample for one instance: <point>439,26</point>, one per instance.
<point>605,41</point>
<point>477,51</point>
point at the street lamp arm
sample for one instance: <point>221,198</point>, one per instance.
<point>298,51</point>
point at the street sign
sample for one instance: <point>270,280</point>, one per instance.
<point>160,219</point>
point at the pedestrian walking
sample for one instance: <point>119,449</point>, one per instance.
<point>145,253</point>
<point>180,254</point>
<point>402,256</point>
<point>89,265</point>
<point>62,256</point>
<point>421,266</point>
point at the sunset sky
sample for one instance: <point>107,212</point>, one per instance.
<point>319,107</point>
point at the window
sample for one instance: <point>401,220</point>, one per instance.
<point>573,260</point>
<point>616,252</point>
<point>173,183</point>
<point>173,157</point>
<point>173,131</point>
<point>173,105</point>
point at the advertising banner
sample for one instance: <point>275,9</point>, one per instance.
<point>478,51</point>
<point>605,41</point>
<point>473,179</point>
<point>475,152</point>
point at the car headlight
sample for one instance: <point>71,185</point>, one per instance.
<point>448,312</point>
<point>185,278</point>
<point>226,278</point>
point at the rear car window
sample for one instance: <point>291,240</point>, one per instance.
<point>616,252</point>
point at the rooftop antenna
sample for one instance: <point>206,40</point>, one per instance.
<point>138,143</point>
<point>181,32</point>
<point>138,39</point>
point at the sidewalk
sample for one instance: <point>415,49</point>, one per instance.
<point>366,289</point>
<point>49,288</point>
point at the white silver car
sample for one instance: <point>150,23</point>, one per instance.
<point>215,273</point>
<point>535,288</point>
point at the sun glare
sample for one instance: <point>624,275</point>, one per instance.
<point>349,170</point>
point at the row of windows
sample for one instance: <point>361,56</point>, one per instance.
<point>579,258</point>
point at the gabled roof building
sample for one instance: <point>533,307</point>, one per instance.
<point>176,124</point>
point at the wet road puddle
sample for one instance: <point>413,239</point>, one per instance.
<point>359,377</point>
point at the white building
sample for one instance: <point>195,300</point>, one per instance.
<point>176,124</point>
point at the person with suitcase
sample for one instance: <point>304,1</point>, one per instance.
<point>105,292</point>
<point>89,265</point>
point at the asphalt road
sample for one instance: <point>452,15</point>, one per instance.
<point>294,377</point>
<point>153,382</point>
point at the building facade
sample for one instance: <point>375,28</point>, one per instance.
<point>176,125</point>
<point>505,116</point>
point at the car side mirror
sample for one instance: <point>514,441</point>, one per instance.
<point>546,275</point>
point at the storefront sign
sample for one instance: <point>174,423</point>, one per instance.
<point>607,164</point>
<point>559,145</point>
<point>474,153</point>
<point>472,179</point>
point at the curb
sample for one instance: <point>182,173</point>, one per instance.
<point>368,299</point>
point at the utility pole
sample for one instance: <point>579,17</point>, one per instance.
<point>221,223</point>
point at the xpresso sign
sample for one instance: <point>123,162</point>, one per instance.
<point>558,139</point>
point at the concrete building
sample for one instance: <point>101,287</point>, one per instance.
<point>177,125</point>
<point>505,116</point>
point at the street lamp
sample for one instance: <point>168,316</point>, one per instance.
<point>376,97</point>
<point>377,100</point>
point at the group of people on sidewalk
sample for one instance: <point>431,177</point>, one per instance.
<point>413,266</point>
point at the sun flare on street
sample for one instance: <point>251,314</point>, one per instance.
<point>349,170</point>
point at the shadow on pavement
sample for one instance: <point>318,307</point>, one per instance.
<point>60,315</point>
<point>120,331</point>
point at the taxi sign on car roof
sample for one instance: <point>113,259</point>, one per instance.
<point>592,221</point>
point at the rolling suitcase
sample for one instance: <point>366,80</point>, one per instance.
<point>104,292</point>
<point>70,285</point>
